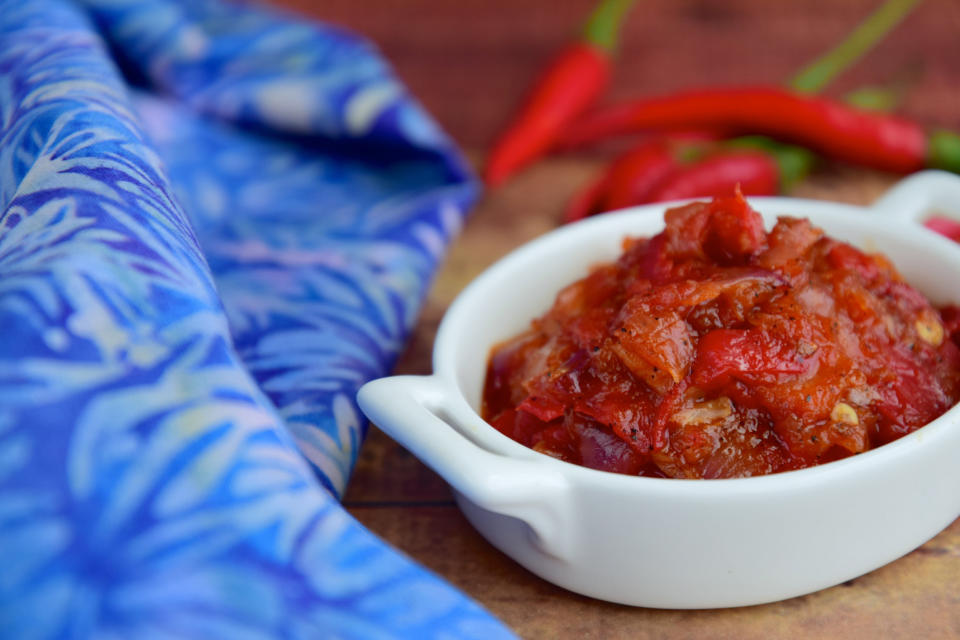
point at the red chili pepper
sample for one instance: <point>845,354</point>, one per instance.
<point>652,171</point>
<point>636,174</point>
<point>627,182</point>
<point>719,174</point>
<point>665,168</point>
<point>572,82</point>
<point>875,140</point>
<point>633,175</point>
<point>944,226</point>
<point>757,166</point>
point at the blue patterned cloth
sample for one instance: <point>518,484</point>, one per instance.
<point>216,222</point>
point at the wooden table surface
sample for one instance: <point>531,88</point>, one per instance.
<point>468,61</point>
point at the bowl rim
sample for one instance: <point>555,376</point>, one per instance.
<point>462,413</point>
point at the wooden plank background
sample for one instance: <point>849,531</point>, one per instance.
<point>469,61</point>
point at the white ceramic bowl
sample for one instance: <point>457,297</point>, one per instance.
<point>679,543</point>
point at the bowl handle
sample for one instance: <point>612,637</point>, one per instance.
<point>404,407</point>
<point>917,195</point>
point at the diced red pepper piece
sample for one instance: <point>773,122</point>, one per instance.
<point>750,355</point>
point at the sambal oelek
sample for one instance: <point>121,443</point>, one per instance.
<point>715,349</point>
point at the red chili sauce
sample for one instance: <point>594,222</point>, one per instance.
<point>717,350</point>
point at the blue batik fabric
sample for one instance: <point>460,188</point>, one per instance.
<point>216,222</point>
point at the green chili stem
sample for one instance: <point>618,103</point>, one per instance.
<point>943,151</point>
<point>794,162</point>
<point>873,98</point>
<point>820,72</point>
<point>602,28</point>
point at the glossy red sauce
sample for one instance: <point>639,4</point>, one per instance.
<point>717,350</point>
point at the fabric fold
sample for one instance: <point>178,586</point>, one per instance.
<point>187,305</point>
